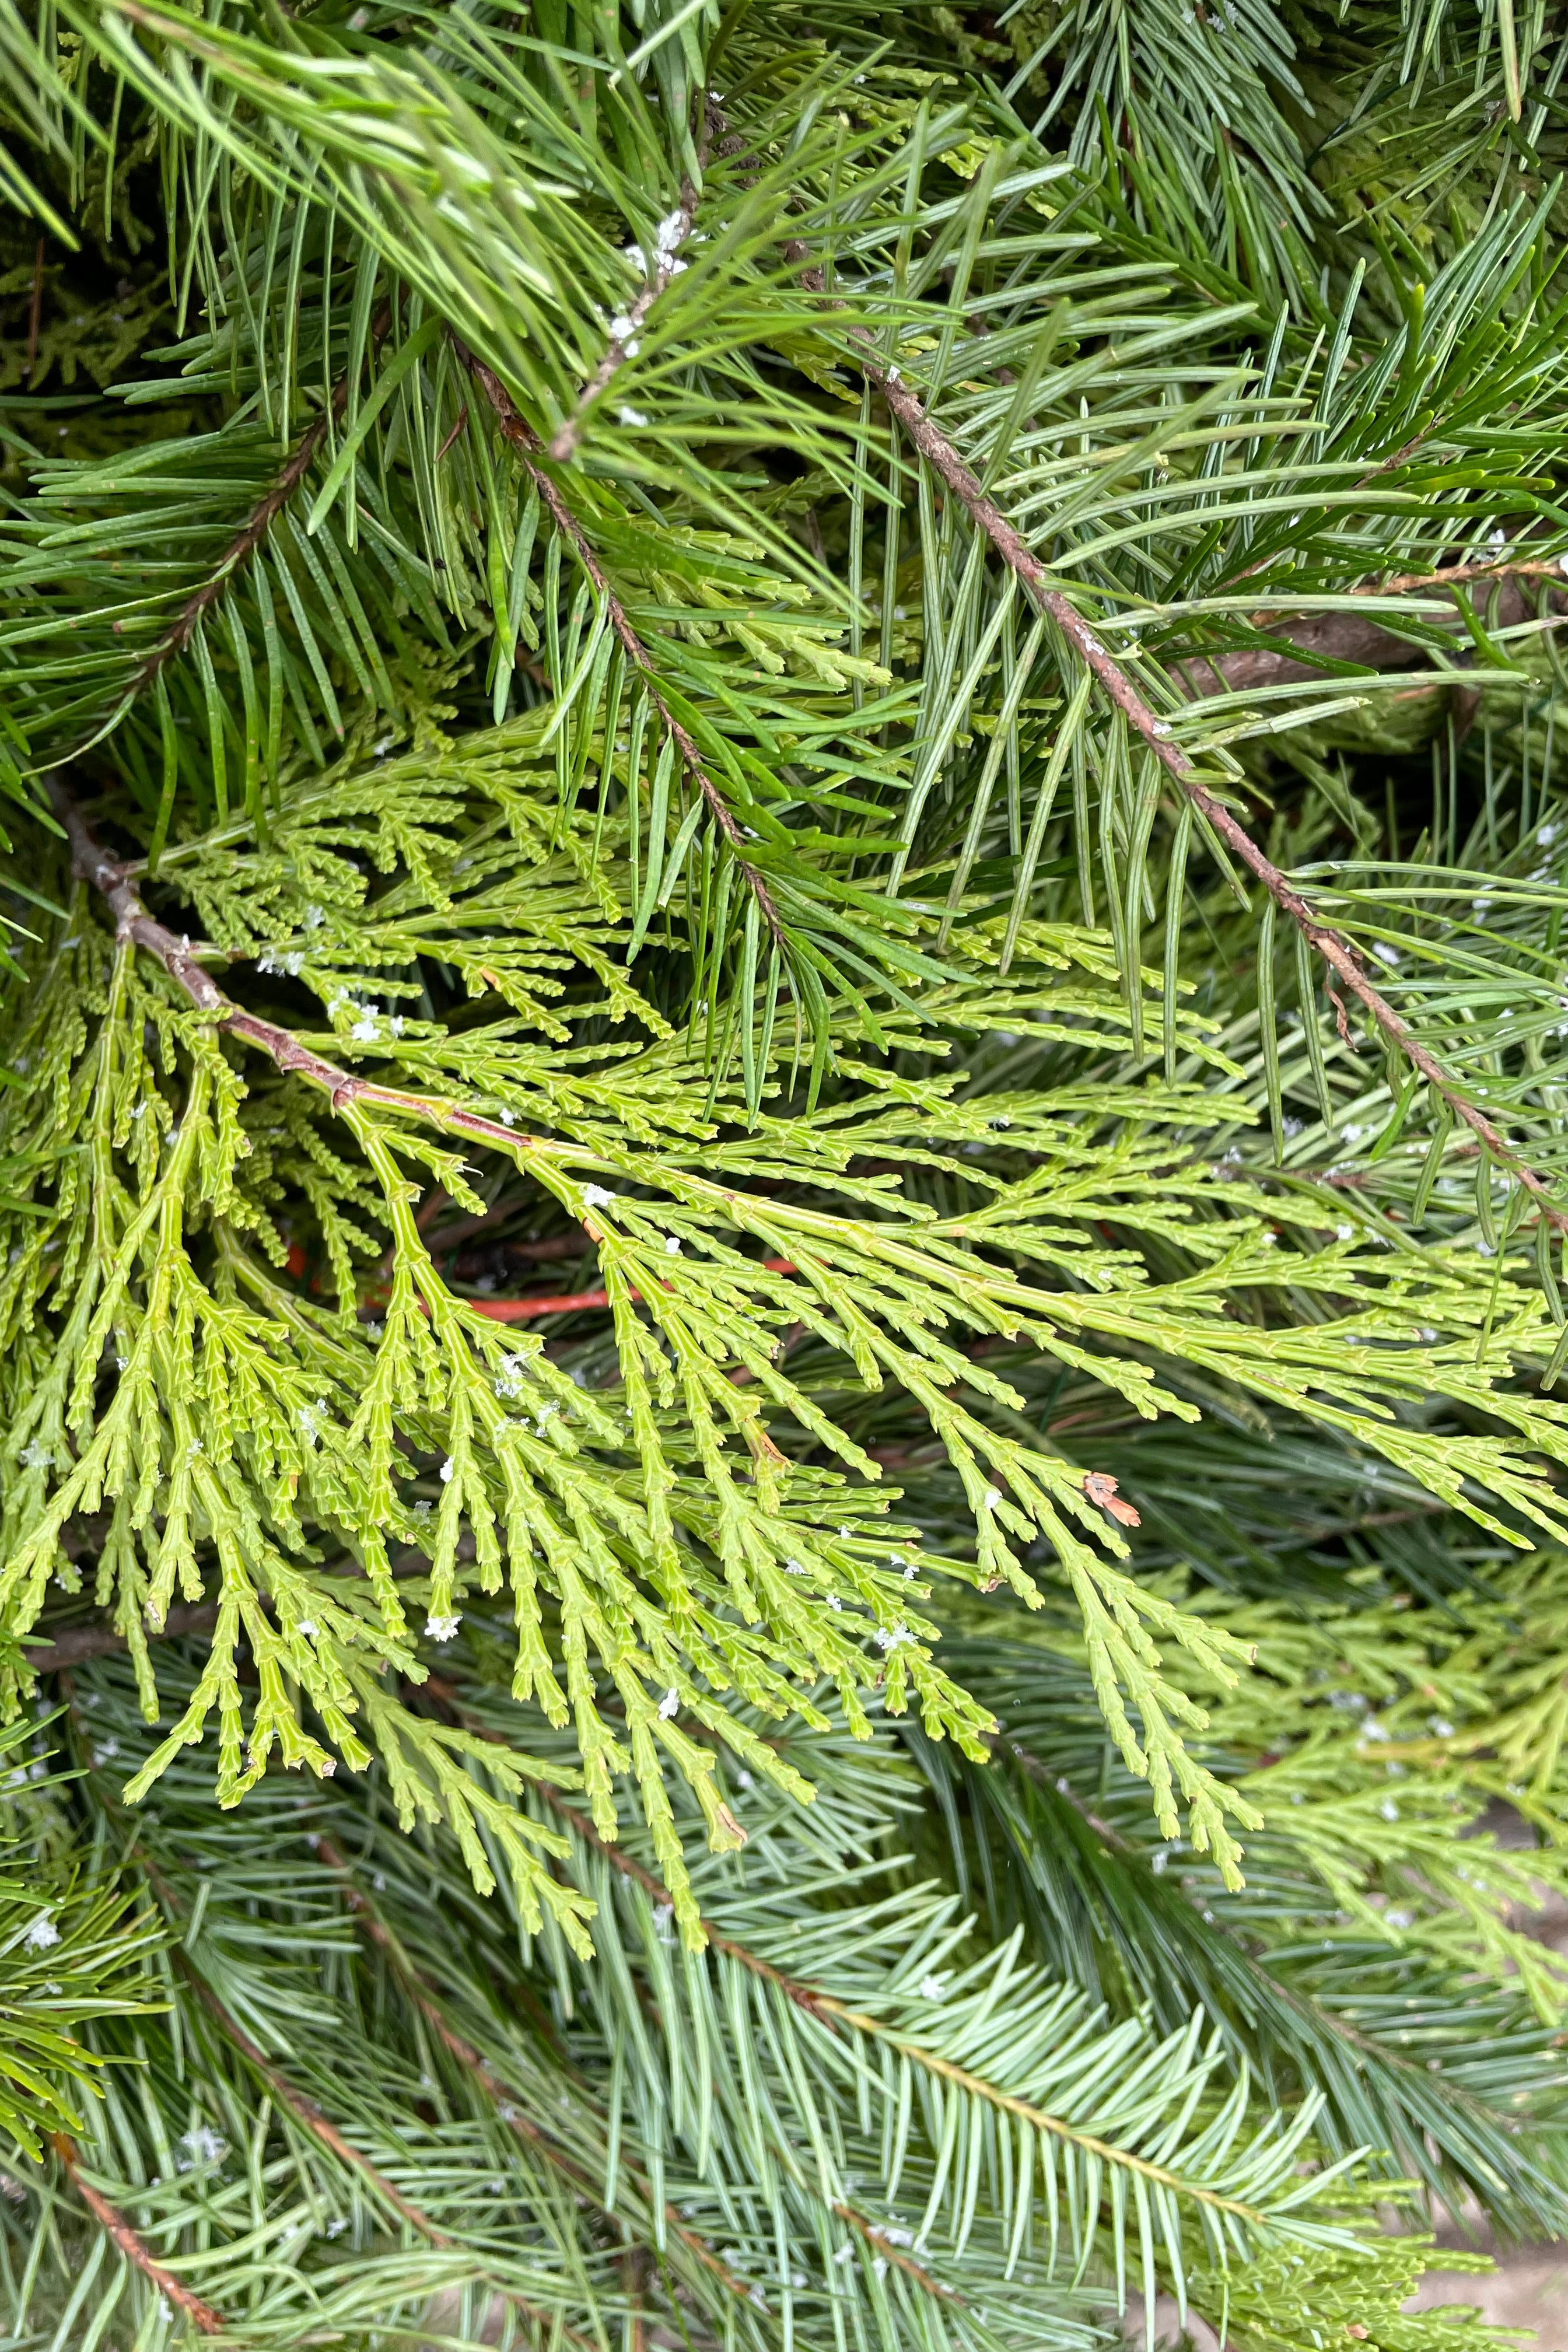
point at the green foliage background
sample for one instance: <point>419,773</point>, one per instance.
<point>783,1558</point>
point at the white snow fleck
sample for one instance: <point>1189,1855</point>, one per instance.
<point>669,1704</point>
<point>595,1196</point>
<point>447,1468</point>
<point>42,1934</point>
<point>672,1245</point>
<point>932,1988</point>
<point>442,1629</point>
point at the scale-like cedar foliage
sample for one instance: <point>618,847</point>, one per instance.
<point>783,1151</point>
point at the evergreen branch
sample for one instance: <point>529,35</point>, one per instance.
<point>257,525</point>
<point>1343,960</point>
<point>826,2009</point>
<point>311,2117</point>
<point>804,1996</point>
<point>113,2223</point>
<point>671,235</point>
<point>1336,951</point>
<point>504,2100</point>
<point>92,864</point>
<point>516,431</point>
<point>314,2120</point>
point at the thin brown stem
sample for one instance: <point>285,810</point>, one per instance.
<point>520,436</point>
<point>623,344</point>
<point>92,863</point>
<point>113,2223</point>
<point>257,523</point>
<point>1336,951</point>
<point>881,2244</point>
<point>1459,576</point>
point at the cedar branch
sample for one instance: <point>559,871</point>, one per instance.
<point>92,863</point>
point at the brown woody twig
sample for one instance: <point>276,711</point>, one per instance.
<point>113,2223</point>
<point>1336,951</point>
<point>520,434</point>
<point>623,346</point>
<point>257,523</point>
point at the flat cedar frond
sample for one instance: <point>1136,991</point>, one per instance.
<point>783,1164</point>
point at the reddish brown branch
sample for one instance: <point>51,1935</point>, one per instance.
<point>621,347</point>
<point>92,864</point>
<point>115,2226</point>
<point>259,521</point>
<point>525,1310</point>
<point>881,2244</point>
<point>1336,951</point>
<point>520,437</point>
